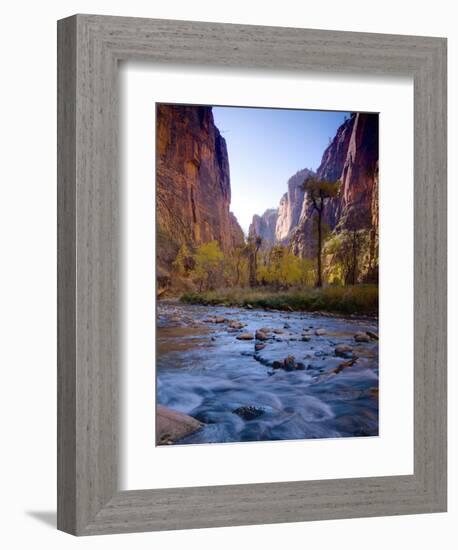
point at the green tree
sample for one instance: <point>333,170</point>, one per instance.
<point>254,244</point>
<point>318,193</point>
<point>308,272</point>
<point>346,249</point>
<point>208,265</point>
<point>184,261</point>
<point>282,268</point>
<point>239,265</point>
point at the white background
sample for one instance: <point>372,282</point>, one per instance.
<point>389,454</point>
<point>28,281</point>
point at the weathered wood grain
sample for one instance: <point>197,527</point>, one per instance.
<point>90,47</point>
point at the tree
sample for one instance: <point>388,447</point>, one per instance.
<point>235,266</point>
<point>254,244</point>
<point>308,271</point>
<point>318,192</point>
<point>208,265</point>
<point>184,262</point>
<point>281,268</point>
<point>240,257</point>
<point>345,248</point>
<point>356,243</point>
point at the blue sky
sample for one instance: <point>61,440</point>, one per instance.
<point>266,147</point>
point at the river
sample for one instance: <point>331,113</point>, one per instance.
<point>243,394</point>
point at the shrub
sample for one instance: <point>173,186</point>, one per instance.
<point>357,299</point>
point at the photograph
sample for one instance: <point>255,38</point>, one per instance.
<point>266,274</point>
<point>228,235</point>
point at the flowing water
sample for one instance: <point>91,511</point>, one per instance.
<point>203,370</point>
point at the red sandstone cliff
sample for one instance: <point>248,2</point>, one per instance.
<point>193,190</point>
<point>351,158</point>
<point>289,211</point>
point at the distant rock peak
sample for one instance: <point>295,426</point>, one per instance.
<point>290,207</point>
<point>264,226</point>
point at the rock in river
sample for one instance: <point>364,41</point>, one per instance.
<point>344,365</point>
<point>320,331</point>
<point>173,425</point>
<point>236,325</point>
<point>248,413</point>
<point>245,336</point>
<point>343,350</point>
<point>362,337</point>
<point>260,335</point>
<point>289,363</point>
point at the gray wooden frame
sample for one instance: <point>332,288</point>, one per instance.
<point>89,48</point>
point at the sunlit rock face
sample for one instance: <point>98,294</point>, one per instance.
<point>264,227</point>
<point>352,159</point>
<point>193,190</point>
<point>289,210</point>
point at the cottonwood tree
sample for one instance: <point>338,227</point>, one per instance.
<point>208,264</point>
<point>254,244</point>
<point>356,224</point>
<point>236,266</point>
<point>283,268</point>
<point>318,193</point>
<point>184,262</point>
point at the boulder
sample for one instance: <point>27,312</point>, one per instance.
<point>260,335</point>
<point>249,413</point>
<point>361,337</point>
<point>289,363</point>
<point>320,331</point>
<point>343,350</point>
<point>172,425</point>
<point>245,336</point>
<point>236,325</point>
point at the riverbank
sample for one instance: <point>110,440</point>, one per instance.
<point>348,300</point>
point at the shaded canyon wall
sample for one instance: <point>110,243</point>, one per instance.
<point>352,159</point>
<point>193,190</point>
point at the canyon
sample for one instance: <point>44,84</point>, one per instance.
<point>352,160</point>
<point>193,193</point>
<point>256,348</point>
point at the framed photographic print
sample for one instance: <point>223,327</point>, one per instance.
<point>251,275</point>
<point>250,285</point>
